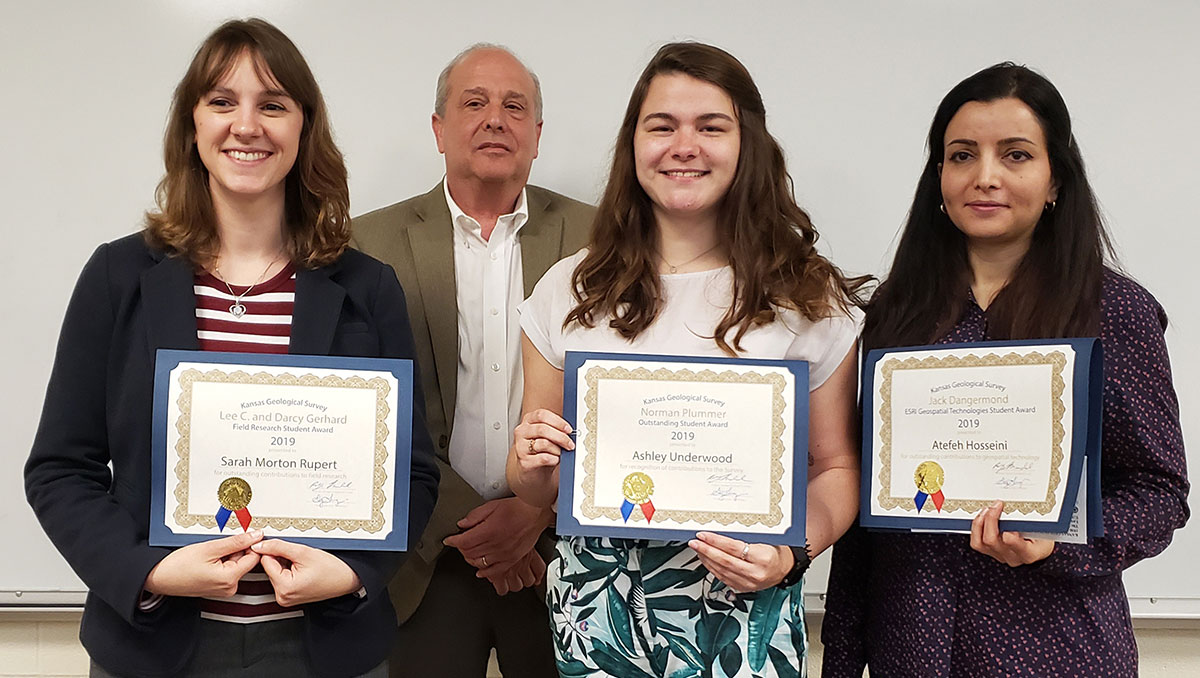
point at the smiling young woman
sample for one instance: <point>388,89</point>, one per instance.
<point>1004,241</point>
<point>247,252</point>
<point>247,135</point>
<point>261,90</point>
<point>685,148</point>
<point>698,249</point>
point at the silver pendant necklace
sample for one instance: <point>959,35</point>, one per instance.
<point>237,309</point>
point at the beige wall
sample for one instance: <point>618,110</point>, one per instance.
<point>46,644</point>
<point>41,644</point>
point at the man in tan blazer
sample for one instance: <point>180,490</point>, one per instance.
<point>467,253</point>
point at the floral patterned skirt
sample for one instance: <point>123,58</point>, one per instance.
<point>649,609</point>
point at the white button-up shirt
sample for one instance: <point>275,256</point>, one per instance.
<point>487,405</point>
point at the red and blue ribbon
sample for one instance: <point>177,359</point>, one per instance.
<point>243,516</point>
<point>647,509</point>
<point>937,497</point>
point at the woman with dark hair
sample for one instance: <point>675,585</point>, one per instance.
<point>698,249</point>
<point>1004,241</point>
<point>246,252</point>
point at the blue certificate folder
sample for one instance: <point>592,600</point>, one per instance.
<point>567,524</point>
<point>1088,386</point>
<point>399,422</point>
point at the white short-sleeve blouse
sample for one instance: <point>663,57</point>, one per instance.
<point>694,304</point>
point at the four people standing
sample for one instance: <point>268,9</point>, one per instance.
<point>699,249</point>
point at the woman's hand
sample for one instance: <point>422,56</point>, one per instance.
<point>538,441</point>
<point>542,435</point>
<point>302,574</point>
<point>743,567</point>
<point>205,569</point>
<point>1009,548</point>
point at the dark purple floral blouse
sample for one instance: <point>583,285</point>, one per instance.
<point>928,605</point>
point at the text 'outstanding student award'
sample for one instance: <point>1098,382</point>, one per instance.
<point>668,446</point>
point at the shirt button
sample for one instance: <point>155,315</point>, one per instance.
<point>495,486</point>
<point>495,367</point>
<point>495,256</point>
<point>495,311</point>
<point>496,425</point>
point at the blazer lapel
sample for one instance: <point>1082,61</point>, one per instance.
<point>316,312</point>
<point>432,241</point>
<point>170,302</point>
<point>541,240</point>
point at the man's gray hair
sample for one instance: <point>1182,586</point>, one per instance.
<point>443,81</point>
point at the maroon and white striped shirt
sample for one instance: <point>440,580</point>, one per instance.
<point>265,327</point>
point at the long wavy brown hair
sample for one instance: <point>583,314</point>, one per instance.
<point>317,193</point>
<point>770,240</point>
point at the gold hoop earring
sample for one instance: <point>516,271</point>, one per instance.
<point>942,207</point>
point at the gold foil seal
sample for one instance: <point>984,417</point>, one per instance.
<point>637,487</point>
<point>929,477</point>
<point>234,494</point>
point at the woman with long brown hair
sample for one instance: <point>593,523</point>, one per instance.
<point>247,252</point>
<point>1004,241</point>
<point>698,249</point>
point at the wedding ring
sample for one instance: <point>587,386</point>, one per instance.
<point>531,446</point>
<point>484,561</point>
<point>745,551</point>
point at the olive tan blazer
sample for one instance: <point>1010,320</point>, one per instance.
<point>416,238</point>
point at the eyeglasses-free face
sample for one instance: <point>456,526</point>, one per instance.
<point>489,131</point>
<point>995,172</point>
<point>686,146</point>
<point>247,133</point>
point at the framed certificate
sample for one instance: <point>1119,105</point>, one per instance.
<point>312,449</point>
<point>667,446</point>
<point>949,429</point>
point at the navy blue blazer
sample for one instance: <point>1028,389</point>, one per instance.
<point>130,301</point>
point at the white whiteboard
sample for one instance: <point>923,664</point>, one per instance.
<point>850,88</point>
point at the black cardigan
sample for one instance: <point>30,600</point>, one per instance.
<point>130,301</point>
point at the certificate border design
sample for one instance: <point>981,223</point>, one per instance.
<point>190,376</point>
<point>575,365</point>
<point>394,537</point>
<point>1056,360</point>
<point>663,515</point>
